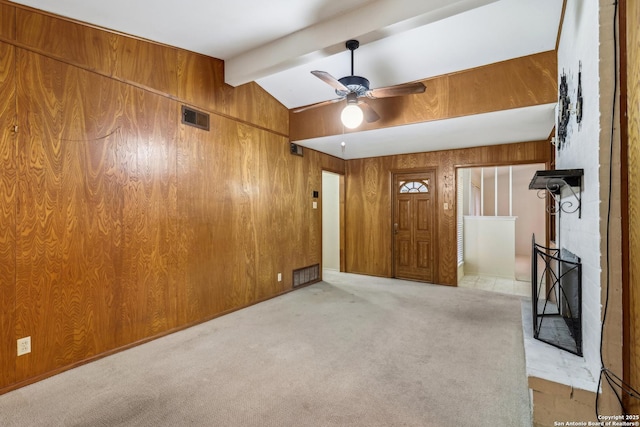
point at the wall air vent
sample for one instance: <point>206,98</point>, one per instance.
<point>296,149</point>
<point>306,275</point>
<point>195,118</point>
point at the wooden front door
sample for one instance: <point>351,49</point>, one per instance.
<point>413,225</point>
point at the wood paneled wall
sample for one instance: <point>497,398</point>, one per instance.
<point>7,21</point>
<point>368,211</point>
<point>119,224</point>
<point>520,82</point>
<point>633,117</point>
<point>178,74</point>
<point>7,213</point>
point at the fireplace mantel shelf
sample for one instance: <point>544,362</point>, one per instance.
<point>553,182</point>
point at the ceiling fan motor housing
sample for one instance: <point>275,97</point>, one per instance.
<point>356,84</point>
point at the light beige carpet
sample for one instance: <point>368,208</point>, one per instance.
<point>350,351</point>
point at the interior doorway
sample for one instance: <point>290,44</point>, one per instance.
<point>333,238</point>
<point>496,216</point>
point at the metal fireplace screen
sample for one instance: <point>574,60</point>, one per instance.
<point>556,290</point>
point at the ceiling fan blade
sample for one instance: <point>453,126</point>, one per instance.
<point>330,80</point>
<point>399,90</point>
<point>370,114</point>
<point>317,104</point>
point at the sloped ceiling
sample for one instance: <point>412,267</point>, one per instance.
<point>277,43</point>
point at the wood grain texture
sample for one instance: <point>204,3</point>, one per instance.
<point>253,104</point>
<point>152,65</point>
<point>201,82</point>
<point>414,255</point>
<point>199,77</point>
<point>84,46</point>
<point>193,78</point>
<point>244,206</point>
<point>368,210</point>
<point>146,159</point>
<point>132,224</point>
<point>7,21</point>
<point>633,117</point>
<point>516,83</point>
<point>128,224</point>
<point>7,214</point>
<point>69,215</point>
<point>107,53</point>
<point>368,216</point>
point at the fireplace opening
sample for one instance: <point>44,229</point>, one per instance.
<point>556,290</point>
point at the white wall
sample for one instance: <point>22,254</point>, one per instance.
<point>580,42</point>
<point>528,208</point>
<point>330,221</point>
<point>489,248</point>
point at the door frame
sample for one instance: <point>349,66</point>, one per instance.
<point>436,216</point>
<point>342,203</point>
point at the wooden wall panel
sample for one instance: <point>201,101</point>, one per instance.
<point>195,79</point>
<point>146,154</point>
<point>83,46</point>
<point>281,212</point>
<point>306,235</point>
<point>633,117</point>
<point>69,215</point>
<point>7,21</point>
<point>368,216</point>
<point>201,82</point>
<point>126,223</point>
<point>7,214</point>
<point>520,82</point>
<point>253,104</point>
<point>247,177</point>
<point>207,244</point>
<point>528,81</point>
<point>132,224</point>
<point>107,53</point>
<point>368,209</point>
<point>199,78</point>
<point>292,225</point>
<point>152,65</point>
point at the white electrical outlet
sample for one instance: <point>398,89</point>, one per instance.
<point>24,346</point>
<point>279,277</point>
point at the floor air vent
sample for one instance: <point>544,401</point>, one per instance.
<point>195,118</point>
<point>306,275</point>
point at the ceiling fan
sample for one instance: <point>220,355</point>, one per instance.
<point>353,87</point>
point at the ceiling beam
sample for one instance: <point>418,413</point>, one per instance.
<point>516,83</point>
<point>377,20</point>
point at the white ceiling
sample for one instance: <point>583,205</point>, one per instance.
<point>501,127</point>
<point>278,42</point>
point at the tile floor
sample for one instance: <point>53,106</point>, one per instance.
<point>497,284</point>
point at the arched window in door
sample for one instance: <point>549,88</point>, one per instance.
<point>414,186</point>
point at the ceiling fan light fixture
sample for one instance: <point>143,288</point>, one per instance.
<point>353,87</point>
<point>352,114</point>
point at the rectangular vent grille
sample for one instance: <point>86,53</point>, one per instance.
<point>306,275</point>
<point>195,118</point>
<point>296,149</point>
